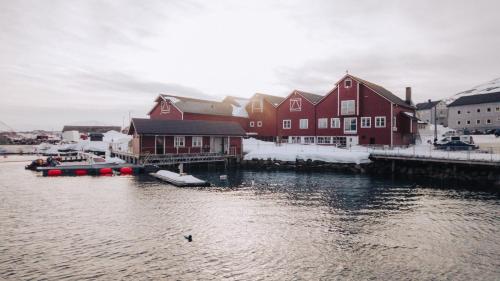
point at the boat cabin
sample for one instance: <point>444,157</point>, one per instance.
<point>153,136</point>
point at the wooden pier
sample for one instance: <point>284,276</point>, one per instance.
<point>174,159</point>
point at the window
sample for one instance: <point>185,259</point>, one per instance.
<point>478,121</point>
<point>348,83</point>
<point>380,122</point>
<point>322,123</point>
<point>458,122</point>
<point>197,141</point>
<point>394,125</point>
<point>308,139</point>
<point>366,122</point>
<point>179,141</point>
<point>257,106</point>
<point>252,124</point>
<point>488,121</point>
<point>488,109</point>
<point>335,123</point>
<point>295,139</point>
<point>468,112</point>
<point>458,112</point>
<point>259,123</point>
<point>468,122</point>
<point>296,104</point>
<point>304,123</point>
<point>347,107</point>
<point>479,110</point>
<point>497,109</point>
<point>164,107</point>
<point>287,124</point>
<point>324,140</point>
<point>350,125</point>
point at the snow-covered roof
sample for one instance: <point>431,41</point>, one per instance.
<point>492,86</point>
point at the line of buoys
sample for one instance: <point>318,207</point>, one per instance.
<point>126,170</point>
<point>54,173</point>
<point>81,172</point>
<point>105,171</point>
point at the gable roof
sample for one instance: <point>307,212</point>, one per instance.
<point>427,105</point>
<point>381,91</point>
<point>313,98</point>
<point>476,99</point>
<point>146,126</point>
<point>198,106</point>
<point>91,129</point>
<point>274,100</point>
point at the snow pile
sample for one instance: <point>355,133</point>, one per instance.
<point>256,149</point>
<point>492,86</point>
<point>179,178</point>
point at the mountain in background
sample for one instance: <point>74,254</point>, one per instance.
<point>492,86</point>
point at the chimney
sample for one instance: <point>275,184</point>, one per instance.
<point>408,95</point>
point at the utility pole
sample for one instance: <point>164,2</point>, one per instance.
<point>435,122</point>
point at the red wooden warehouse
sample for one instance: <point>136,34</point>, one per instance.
<point>262,116</point>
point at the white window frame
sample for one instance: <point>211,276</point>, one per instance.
<point>345,83</point>
<point>259,108</point>
<point>378,122</point>
<point>345,107</point>
<point>308,140</point>
<point>394,123</point>
<point>259,123</point>
<point>324,140</point>
<point>347,129</point>
<point>295,139</point>
<point>252,124</point>
<point>306,124</point>
<point>363,121</point>
<point>196,141</point>
<point>179,141</point>
<point>164,107</point>
<point>289,122</point>
<point>335,123</point>
<point>322,123</point>
<point>296,104</point>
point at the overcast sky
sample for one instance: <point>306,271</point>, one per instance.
<point>63,62</point>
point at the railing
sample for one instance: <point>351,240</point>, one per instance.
<point>167,159</point>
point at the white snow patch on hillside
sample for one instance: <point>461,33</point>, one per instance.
<point>492,86</point>
<point>256,149</point>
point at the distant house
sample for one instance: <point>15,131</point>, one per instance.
<point>262,118</point>
<point>427,110</point>
<point>475,112</point>
<point>157,136</point>
<point>91,129</point>
<point>170,107</point>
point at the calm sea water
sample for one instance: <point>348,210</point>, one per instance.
<point>260,226</point>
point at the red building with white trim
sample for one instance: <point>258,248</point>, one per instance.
<point>360,112</point>
<point>296,118</point>
<point>262,116</point>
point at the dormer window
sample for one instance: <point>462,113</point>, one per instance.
<point>347,83</point>
<point>164,107</point>
<point>296,104</point>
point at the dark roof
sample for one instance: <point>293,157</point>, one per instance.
<point>91,129</point>
<point>310,97</point>
<point>185,127</point>
<point>274,100</point>
<point>427,105</point>
<point>476,99</point>
<point>191,105</point>
<point>383,92</point>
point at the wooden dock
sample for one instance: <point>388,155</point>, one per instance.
<point>423,159</point>
<point>174,159</point>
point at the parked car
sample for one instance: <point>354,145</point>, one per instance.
<point>497,133</point>
<point>455,145</point>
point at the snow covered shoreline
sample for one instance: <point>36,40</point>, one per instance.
<point>256,149</point>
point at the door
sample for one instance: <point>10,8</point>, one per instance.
<point>159,144</point>
<point>217,144</point>
<point>372,140</point>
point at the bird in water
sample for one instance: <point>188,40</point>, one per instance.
<point>189,238</point>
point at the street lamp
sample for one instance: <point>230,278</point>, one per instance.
<point>435,122</point>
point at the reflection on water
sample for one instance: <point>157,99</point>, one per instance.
<point>257,226</point>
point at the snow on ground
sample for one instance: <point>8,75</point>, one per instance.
<point>179,178</point>
<point>115,139</point>
<point>256,149</point>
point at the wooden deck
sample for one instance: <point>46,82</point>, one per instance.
<point>173,159</point>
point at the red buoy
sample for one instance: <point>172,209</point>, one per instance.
<point>126,170</point>
<point>54,173</point>
<point>81,172</point>
<point>105,171</point>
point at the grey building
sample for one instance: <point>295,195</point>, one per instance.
<point>427,110</point>
<point>475,112</point>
